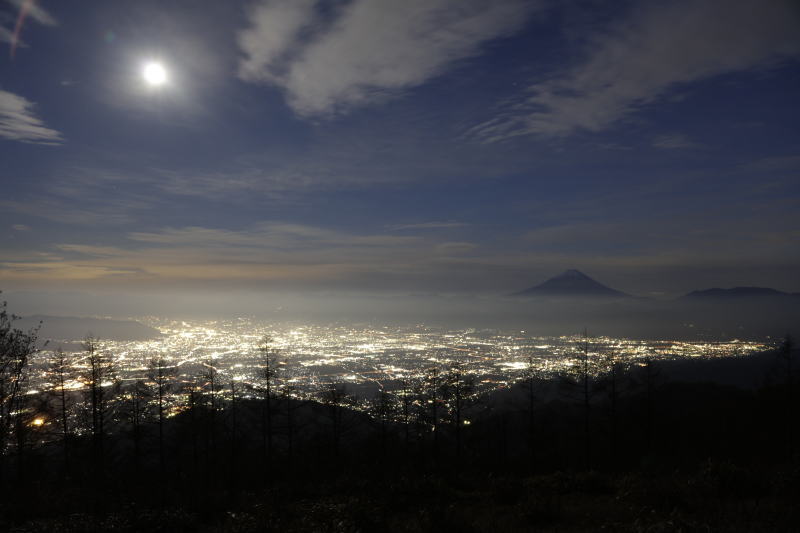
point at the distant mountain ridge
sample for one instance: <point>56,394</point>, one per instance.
<point>717,293</point>
<point>575,284</point>
<point>572,284</point>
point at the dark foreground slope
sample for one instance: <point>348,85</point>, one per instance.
<point>661,454</point>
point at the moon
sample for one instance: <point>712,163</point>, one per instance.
<point>154,74</point>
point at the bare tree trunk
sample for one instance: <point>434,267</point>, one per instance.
<point>161,374</point>
<point>161,460</point>
<point>406,391</point>
<point>786,354</point>
<point>650,376</point>
<point>531,413</point>
<point>193,423</point>
<point>434,391</point>
<point>614,442</point>
<point>15,349</point>
<point>335,397</point>
<point>211,377</point>
<point>289,427</point>
<point>586,401</point>
<point>95,376</point>
<point>234,471</point>
<point>458,411</point>
<point>60,367</point>
<point>336,418</point>
<point>268,373</point>
<point>137,433</point>
<point>269,424</point>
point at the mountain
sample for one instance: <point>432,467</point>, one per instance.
<point>68,328</point>
<point>572,284</point>
<point>737,293</point>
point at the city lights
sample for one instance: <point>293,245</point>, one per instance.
<point>365,359</point>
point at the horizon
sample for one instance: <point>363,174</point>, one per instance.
<point>560,305</point>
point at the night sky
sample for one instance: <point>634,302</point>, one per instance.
<point>425,145</point>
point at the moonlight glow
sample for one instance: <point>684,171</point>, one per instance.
<point>154,74</point>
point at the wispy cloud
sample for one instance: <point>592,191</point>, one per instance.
<point>660,46</point>
<point>673,142</point>
<point>284,236</point>
<point>286,254</point>
<point>366,49</point>
<point>93,197</point>
<point>427,225</point>
<point>685,241</point>
<point>266,251</point>
<point>26,8</point>
<point>19,123</point>
<point>60,209</point>
<point>274,28</point>
<point>7,36</point>
<point>32,9</point>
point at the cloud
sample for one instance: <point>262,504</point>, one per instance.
<point>18,122</point>
<point>284,236</point>
<point>94,197</point>
<point>782,163</point>
<point>274,28</point>
<point>35,11</point>
<point>289,255</point>
<point>673,142</point>
<point>660,46</point>
<point>26,8</point>
<point>60,209</point>
<point>667,240</point>
<point>366,49</point>
<point>265,252</point>
<point>456,248</point>
<point>20,227</point>
<point>7,36</point>
<point>427,225</point>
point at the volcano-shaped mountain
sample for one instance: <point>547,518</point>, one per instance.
<point>572,284</point>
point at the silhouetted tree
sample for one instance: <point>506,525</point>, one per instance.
<point>161,375</point>
<point>785,355</point>
<point>269,374</point>
<point>430,397</point>
<point>335,398</point>
<point>458,390</point>
<point>135,411</point>
<point>531,383</point>
<point>60,368</point>
<point>383,409</point>
<point>580,382</point>
<point>233,470</point>
<point>406,393</point>
<point>585,376</point>
<point>28,421</point>
<point>648,377</point>
<point>211,378</point>
<point>192,391</point>
<point>289,391</point>
<point>611,382</point>
<point>16,347</point>
<point>100,378</point>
